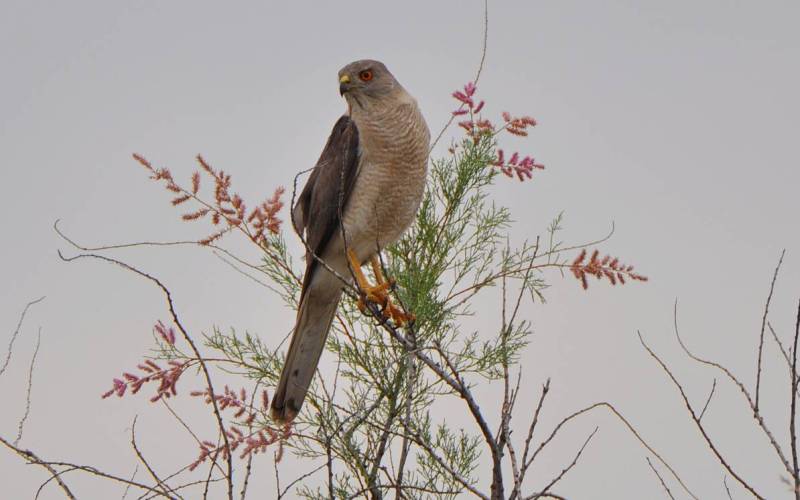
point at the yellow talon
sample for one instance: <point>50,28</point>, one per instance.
<point>378,293</point>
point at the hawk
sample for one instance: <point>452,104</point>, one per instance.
<point>362,195</point>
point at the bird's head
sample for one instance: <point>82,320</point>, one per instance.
<point>365,81</point>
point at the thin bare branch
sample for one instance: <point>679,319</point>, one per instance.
<point>121,245</point>
<point>128,486</point>
<point>708,400</point>
<point>192,433</point>
<point>243,272</point>
<point>34,459</point>
<point>793,411</point>
<point>763,325</point>
<point>477,73</point>
<point>21,424</point>
<point>14,335</point>
<point>781,347</point>
<point>660,479</point>
<point>164,487</point>
<point>727,490</point>
<point>525,462</point>
<point>303,477</point>
<point>565,470</point>
<point>47,481</point>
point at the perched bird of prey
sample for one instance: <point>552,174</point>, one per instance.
<point>361,196</point>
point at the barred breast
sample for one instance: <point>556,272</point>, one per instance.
<point>394,146</point>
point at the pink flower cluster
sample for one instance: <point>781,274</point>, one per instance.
<point>476,126</point>
<point>230,399</point>
<point>523,168</point>
<point>466,98</point>
<point>166,333</point>
<point>608,267</point>
<point>167,378</point>
<point>255,440</point>
<point>228,210</point>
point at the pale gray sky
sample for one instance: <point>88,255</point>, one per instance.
<point>675,120</point>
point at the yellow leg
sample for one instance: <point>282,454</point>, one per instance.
<point>363,284</point>
<point>376,269</point>
<point>378,293</point>
<point>381,292</point>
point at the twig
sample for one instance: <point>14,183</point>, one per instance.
<point>207,483</point>
<point>16,333</point>
<point>33,458</point>
<point>529,438</point>
<point>660,479</point>
<point>793,413</point>
<point>710,395</point>
<point>781,347</point>
<point>565,470</point>
<point>283,492</point>
<point>244,273</point>
<point>727,490</point>
<point>21,424</point>
<point>51,478</point>
<point>477,73</point>
<point>166,489</point>
<point>763,324</point>
<point>121,245</point>
<point>128,486</point>
<point>213,457</point>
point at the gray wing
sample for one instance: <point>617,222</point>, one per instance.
<point>317,215</point>
<point>316,212</point>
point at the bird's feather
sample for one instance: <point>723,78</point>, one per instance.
<point>316,217</point>
<point>326,192</point>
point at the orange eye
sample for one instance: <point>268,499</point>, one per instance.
<point>365,75</point>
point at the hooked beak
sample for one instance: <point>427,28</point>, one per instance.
<point>344,84</point>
